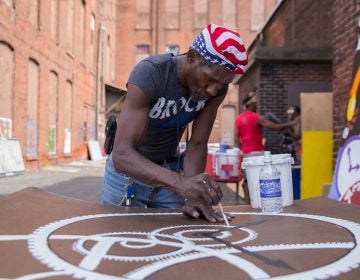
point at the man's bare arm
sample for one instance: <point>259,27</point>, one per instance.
<point>273,126</point>
<point>132,125</point>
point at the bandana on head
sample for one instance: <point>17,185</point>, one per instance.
<point>222,46</point>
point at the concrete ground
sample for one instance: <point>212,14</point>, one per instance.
<point>81,180</point>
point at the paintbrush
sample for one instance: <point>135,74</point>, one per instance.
<point>224,216</point>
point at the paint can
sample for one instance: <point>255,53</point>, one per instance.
<point>282,162</point>
<point>233,156</point>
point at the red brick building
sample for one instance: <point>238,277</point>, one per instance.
<point>64,64</point>
<point>305,46</point>
<point>346,16</point>
<point>55,58</point>
<point>159,26</point>
<point>292,54</point>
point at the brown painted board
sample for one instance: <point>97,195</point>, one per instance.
<point>47,236</point>
<point>316,111</point>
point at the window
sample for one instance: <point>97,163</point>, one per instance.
<point>143,14</point>
<point>6,86</point>
<point>53,96</point>
<point>142,51</point>
<point>172,14</point>
<point>229,14</point>
<point>174,49</point>
<point>108,62</point>
<point>200,13</point>
<point>70,24</point>
<point>68,117</point>
<point>92,38</point>
<point>34,12</point>
<point>32,110</point>
<point>257,14</point>
<point>54,20</point>
<point>82,29</point>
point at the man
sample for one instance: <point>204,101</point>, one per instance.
<point>165,93</point>
<point>293,133</point>
<point>250,126</point>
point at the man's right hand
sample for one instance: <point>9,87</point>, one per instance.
<point>198,210</point>
<point>201,188</point>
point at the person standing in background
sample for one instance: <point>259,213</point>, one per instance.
<point>293,133</point>
<point>249,125</point>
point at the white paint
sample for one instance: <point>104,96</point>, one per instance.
<point>182,249</point>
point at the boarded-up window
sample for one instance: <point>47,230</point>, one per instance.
<point>143,14</point>
<point>200,13</point>
<point>33,11</point>
<point>92,38</point>
<point>172,14</point>
<point>257,14</point>
<point>70,24</point>
<point>32,110</point>
<point>54,20</point>
<point>53,96</point>
<point>6,81</point>
<point>82,34</point>
<point>142,51</point>
<point>229,14</point>
<point>68,117</point>
<point>108,59</point>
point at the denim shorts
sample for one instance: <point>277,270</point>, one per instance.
<point>116,185</point>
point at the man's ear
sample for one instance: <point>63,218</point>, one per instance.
<point>191,55</point>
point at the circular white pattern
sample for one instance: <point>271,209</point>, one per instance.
<point>186,249</point>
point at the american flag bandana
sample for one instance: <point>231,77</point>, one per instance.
<point>222,46</point>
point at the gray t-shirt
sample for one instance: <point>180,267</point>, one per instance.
<point>156,76</point>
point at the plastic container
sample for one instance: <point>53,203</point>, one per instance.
<point>227,165</point>
<point>252,166</point>
<point>233,157</point>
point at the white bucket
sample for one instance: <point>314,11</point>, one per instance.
<point>282,162</point>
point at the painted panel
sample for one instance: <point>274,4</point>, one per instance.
<point>316,162</point>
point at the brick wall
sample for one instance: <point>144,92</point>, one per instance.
<point>345,19</point>
<point>296,27</point>
<point>275,79</point>
<point>301,23</point>
<point>35,42</point>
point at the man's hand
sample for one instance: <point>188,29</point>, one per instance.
<point>198,210</point>
<point>201,188</point>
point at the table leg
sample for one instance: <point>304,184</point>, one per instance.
<point>237,193</point>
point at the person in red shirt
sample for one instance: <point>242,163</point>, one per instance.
<point>250,126</point>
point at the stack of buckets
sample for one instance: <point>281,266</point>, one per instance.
<point>224,163</point>
<point>282,162</point>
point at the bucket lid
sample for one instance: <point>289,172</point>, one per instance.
<point>259,160</point>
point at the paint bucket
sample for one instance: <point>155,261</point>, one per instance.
<point>233,156</point>
<point>227,165</point>
<point>221,165</point>
<point>282,162</point>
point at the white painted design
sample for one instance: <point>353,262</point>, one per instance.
<point>179,244</point>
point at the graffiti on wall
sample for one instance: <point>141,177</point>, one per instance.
<point>52,140</point>
<point>5,128</point>
<point>31,139</point>
<point>346,181</point>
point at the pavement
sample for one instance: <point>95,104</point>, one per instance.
<point>80,180</point>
